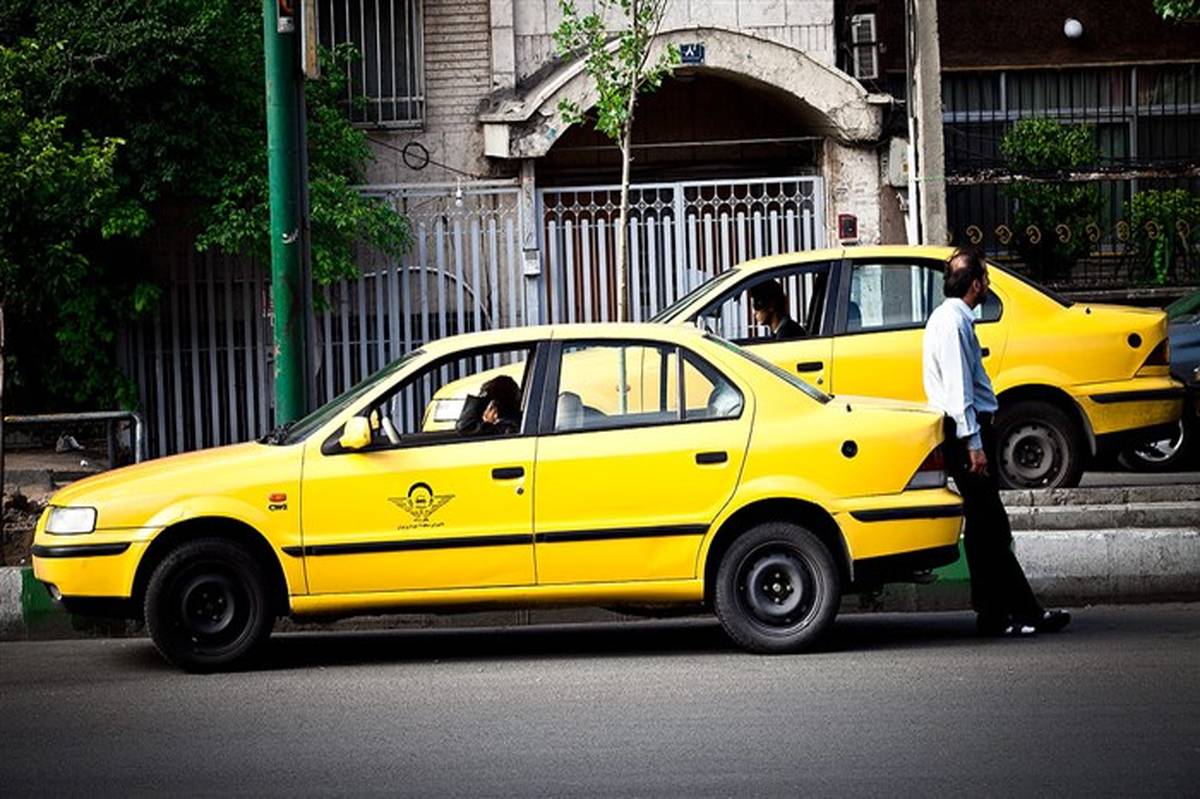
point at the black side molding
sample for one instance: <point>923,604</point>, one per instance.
<point>78,550</point>
<point>898,514</point>
<point>607,535</point>
<point>1138,396</point>
<point>410,545</point>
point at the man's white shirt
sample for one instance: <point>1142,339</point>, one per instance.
<point>952,365</point>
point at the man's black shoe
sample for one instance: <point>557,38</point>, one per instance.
<point>1052,621</point>
<point>1003,627</point>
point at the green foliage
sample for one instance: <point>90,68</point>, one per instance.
<point>341,218</point>
<point>1178,10</point>
<point>618,62</point>
<point>122,117</point>
<point>1163,225</point>
<point>1050,218</point>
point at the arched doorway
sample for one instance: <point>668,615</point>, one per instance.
<point>697,126</point>
<point>732,161</point>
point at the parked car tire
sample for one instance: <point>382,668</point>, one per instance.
<point>206,605</point>
<point>1039,446</point>
<point>1164,455</point>
<point>777,589</point>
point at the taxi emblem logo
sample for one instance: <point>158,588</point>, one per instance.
<point>421,503</point>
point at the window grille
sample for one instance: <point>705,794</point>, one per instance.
<point>385,84</point>
<point>865,47</point>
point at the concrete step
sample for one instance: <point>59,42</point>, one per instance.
<point>1127,516</point>
<point>1107,495</point>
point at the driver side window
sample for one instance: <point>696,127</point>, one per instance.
<point>776,306</point>
<point>476,394</point>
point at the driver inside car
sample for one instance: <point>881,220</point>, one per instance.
<point>495,411</point>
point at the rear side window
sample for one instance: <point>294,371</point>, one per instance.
<point>897,296</point>
<point>605,385</point>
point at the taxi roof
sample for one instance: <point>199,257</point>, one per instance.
<point>832,253</point>
<point>519,335</point>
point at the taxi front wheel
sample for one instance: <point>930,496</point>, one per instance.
<point>777,589</point>
<point>206,605</point>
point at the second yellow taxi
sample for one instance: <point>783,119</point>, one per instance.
<point>604,465</point>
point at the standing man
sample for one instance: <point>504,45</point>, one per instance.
<point>770,308</point>
<point>957,385</point>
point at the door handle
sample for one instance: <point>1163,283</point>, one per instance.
<point>711,457</point>
<point>508,472</point>
<point>810,366</point>
<point>985,352</point>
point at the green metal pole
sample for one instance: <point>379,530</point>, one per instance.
<point>283,146</point>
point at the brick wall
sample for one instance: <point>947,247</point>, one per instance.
<point>458,73</point>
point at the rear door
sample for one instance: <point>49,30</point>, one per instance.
<point>627,486</point>
<point>883,306</point>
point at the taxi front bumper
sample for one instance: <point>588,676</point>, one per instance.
<point>100,565</point>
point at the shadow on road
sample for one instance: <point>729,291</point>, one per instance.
<point>675,637</point>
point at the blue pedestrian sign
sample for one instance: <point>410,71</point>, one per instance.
<point>691,53</point>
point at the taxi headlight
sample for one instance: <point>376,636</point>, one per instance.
<point>71,521</point>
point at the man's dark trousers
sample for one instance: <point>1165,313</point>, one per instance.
<point>998,585</point>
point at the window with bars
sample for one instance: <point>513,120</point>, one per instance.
<point>864,47</point>
<point>386,81</point>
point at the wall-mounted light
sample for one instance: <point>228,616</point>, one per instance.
<point>1072,28</point>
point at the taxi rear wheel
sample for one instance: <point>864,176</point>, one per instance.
<point>1039,446</point>
<point>777,589</point>
<point>206,605</point>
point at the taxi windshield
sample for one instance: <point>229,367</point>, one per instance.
<point>301,429</point>
<point>666,313</point>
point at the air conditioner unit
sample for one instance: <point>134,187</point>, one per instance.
<point>864,47</point>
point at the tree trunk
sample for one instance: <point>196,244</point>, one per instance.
<point>622,238</point>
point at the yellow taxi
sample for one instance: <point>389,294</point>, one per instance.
<point>1074,380</point>
<point>639,465</point>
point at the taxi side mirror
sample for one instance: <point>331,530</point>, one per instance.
<point>356,434</point>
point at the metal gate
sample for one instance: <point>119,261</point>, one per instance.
<point>679,234</point>
<point>203,361</point>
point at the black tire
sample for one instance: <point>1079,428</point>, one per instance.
<point>777,589</point>
<point>207,606</point>
<point>1164,455</point>
<point>1039,446</point>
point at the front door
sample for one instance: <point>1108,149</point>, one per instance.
<point>426,506</point>
<point>804,289</point>
<point>630,474</point>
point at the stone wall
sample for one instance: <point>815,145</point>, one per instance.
<point>853,187</point>
<point>806,24</point>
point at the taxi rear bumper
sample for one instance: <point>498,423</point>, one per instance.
<point>1128,406</point>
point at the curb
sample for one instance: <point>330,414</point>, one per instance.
<point>1065,567</point>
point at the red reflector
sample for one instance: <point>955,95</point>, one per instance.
<point>1161,355</point>
<point>936,461</point>
<point>277,497</point>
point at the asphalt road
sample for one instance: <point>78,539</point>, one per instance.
<point>895,705</point>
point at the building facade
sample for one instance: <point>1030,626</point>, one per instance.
<point>1114,70</point>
